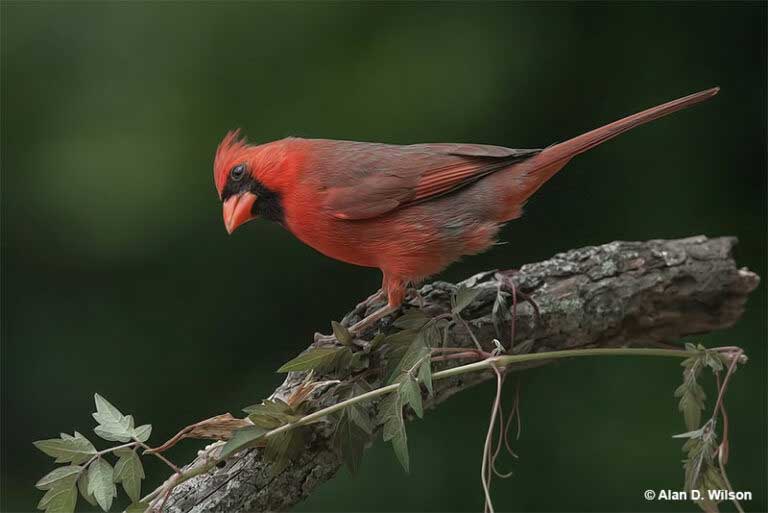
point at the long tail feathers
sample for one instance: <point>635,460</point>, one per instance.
<point>544,165</point>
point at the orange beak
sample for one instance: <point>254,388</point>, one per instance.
<point>237,210</point>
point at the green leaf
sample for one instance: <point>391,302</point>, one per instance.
<point>402,338</point>
<point>411,394</point>
<point>313,359</point>
<point>701,472</point>
<point>113,425</point>
<point>425,374</point>
<point>391,412</point>
<point>59,477</point>
<point>142,433</point>
<point>356,413</point>
<point>137,507</point>
<point>271,413</point>
<point>400,445</point>
<point>101,483</point>
<point>130,472</point>
<point>432,334</point>
<point>269,407</point>
<point>47,496</point>
<point>349,442</point>
<point>342,361</point>
<point>376,342</point>
<point>690,434</point>
<point>359,361</point>
<point>82,485</point>
<point>691,403</point>
<point>115,432</point>
<point>359,416</point>
<point>67,449</point>
<point>386,409</point>
<point>690,362</point>
<point>394,420</point>
<point>714,361</point>
<point>691,394</point>
<point>266,422</point>
<point>463,298</point>
<point>59,500</point>
<point>412,319</point>
<point>341,333</point>
<point>105,411</point>
<point>713,479</point>
<point>283,448</point>
<point>241,438</point>
<point>416,351</point>
<point>691,408</point>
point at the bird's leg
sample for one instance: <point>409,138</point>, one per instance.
<point>360,326</point>
<point>395,294</point>
<point>418,297</point>
<point>360,307</point>
<point>395,290</point>
<point>373,298</point>
<point>323,339</point>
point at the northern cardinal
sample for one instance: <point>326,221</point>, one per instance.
<point>408,210</point>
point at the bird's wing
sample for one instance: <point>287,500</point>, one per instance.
<point>369,180</point>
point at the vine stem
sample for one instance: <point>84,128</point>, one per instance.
<point>101,453</point>
<point>486,469</point>
<point>486,364</point>
<point>498,361</point>
<point>165,460</point>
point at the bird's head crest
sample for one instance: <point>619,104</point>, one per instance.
<point>231,152</point>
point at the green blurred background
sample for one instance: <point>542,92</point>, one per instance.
<point>118,276</point>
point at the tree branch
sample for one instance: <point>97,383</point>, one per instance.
<point>643,294</point>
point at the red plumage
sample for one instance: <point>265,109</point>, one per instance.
<point>407,210</point>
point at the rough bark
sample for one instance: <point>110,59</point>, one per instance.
<point>624,293</point>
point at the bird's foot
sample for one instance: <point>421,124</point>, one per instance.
<point>361,308</point>
<point>322,340</point>
<point>377,296</point>
<point>359,327</point>
<point>416,295</point>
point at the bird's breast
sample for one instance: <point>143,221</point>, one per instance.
<point>347,241</point>
<point>410,243</point>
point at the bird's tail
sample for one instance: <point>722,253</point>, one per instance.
<point>544,165</point>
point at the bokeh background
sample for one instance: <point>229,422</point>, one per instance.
<point>118,276</point>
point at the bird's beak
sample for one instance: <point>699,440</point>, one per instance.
<point>237,210</point>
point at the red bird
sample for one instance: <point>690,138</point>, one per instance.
<point>409,210</point>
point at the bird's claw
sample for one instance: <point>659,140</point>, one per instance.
<point>371,300</point>
<point>415,294</point>
<point>324,339</point>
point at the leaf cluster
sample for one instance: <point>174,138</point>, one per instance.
<point>280,448</point>
<point>701,469</point>
<point>403,357</point>
<point>88,471</point>
<point>463,297</point>
<point>701,447</point>
<point>330,360</point>
<point>354,427</point>
<point>406,358</point>
<point>690,392</point>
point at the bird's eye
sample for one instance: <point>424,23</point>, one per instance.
<point>237,173</point>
